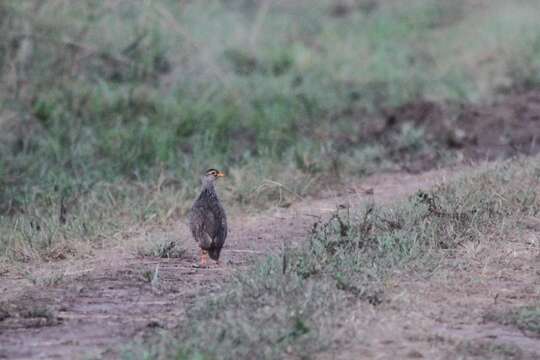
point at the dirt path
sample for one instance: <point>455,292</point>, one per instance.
<point>102,303</point>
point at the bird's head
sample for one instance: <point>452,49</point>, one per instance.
<point>211,175</point>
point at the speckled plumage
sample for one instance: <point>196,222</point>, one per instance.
<point>207,219</point>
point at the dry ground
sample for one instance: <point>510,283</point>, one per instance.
<point>446,316</point>
<point>90,308</point>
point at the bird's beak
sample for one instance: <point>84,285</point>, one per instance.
<point>220,174</point>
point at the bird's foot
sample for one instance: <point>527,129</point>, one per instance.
<point>204,260</point>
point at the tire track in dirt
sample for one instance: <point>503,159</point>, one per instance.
<point>107,301</point>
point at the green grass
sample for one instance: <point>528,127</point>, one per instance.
<point>488,350</point>
<point>108,95</point>
<point>161,246</point>
<point>526,318</point>
<point>294,303</point>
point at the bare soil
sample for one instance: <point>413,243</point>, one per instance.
<point>508,127</point>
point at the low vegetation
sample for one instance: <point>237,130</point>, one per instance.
<point>489,350</point>
<point>104,129</point>
<point>527,318</point>
<point>295,303</point>
<point>160,246</point>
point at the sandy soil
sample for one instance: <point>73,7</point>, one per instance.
<point>101,303</point>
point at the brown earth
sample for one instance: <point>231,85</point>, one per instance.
<point>508,127</point>
<point>451,131</point>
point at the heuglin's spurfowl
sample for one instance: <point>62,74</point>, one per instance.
<point>207,219</point>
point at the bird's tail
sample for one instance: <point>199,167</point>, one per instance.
<point>214,252</point>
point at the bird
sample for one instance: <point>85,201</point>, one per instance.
<point>207,219</point>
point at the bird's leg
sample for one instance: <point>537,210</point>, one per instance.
<point>204,258</point>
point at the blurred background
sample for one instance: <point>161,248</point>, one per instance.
<point>110,109</point>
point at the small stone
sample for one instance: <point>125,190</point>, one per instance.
<point>414,354</point>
